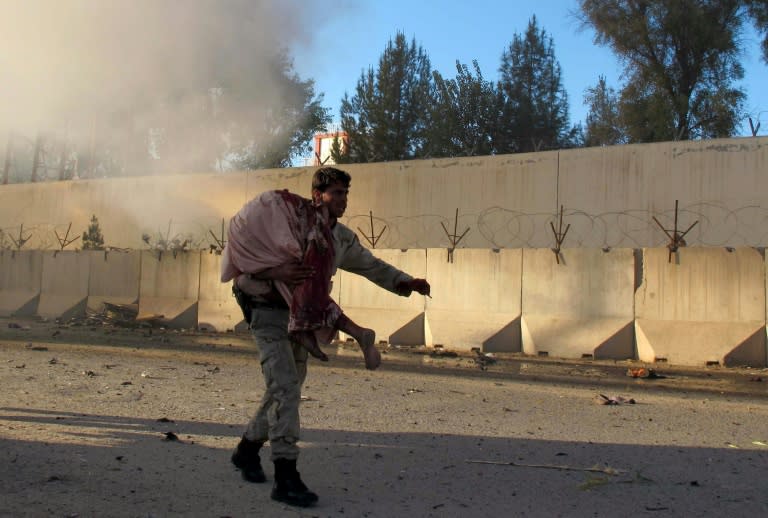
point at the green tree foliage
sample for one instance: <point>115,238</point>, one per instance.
<point>464,114</point>
<point>387,117</point>
<point>758,10</point>
<point>92,238</point>
<point>681,59</point>
<point>271,136</point>
<point>340,151</point>
<point>534,113</point>
<point>603,127</point>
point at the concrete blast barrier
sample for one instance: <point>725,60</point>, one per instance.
<point>20,279</point>
<point>581,307</point>
<point>706,306</point>
<point>217,308</point>
<point>475,299</point>
<point>114,278</point>
<point>399,320</point>
<point>169,287</point>
<point>64,288</point>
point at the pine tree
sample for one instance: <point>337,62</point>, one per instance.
<point>92,238</point>
<point>387,117</point>
<point>603,126</point>
<point>464,114</point>
<point>534,103</point>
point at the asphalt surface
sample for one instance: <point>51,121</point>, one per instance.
<point>85,415</point>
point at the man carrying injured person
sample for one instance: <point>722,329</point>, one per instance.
<point>286,300</point>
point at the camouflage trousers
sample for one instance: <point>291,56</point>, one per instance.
<point>284,367</point>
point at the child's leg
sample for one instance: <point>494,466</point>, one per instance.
<point>307,340</point>
<point>365,337</point>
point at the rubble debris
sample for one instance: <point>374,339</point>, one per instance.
<point>482,359</point>
<point>643,372</point>
<point>440,352</point>
<point>116,316</point>
<point>14,325</point>
<point>614,400</point>
<point>594,469</point>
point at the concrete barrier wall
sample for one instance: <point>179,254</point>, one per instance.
<point>718,183</point>
<point>64,287</point>
<point>706,305</point>
<point>476,299</point>
<point>217,308</point>
<point>21,275</point>
<point>398,320</point>
<point>506,201</point>
<point>113,277</point>
<point>170,287</point>
<point>581,306</point>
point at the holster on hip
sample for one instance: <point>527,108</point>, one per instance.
<point>244,301</point>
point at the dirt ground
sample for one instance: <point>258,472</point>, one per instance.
<point>98,421</point>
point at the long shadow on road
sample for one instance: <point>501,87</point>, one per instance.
<point>117,466</point>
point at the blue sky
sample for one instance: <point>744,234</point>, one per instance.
<point>351,36</point>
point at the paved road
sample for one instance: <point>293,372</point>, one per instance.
<point>81,436</point>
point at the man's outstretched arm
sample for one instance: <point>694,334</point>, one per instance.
<point>355,258</point>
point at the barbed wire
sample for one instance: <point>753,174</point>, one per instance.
<point>493,227</point>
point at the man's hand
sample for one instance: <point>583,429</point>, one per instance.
<point>291,274</point>
<point>420,286</point>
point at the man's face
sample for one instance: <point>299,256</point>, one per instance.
<point>335,198</point>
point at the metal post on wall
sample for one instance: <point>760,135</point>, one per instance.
<point>36,159</point>
<point>8,158</point>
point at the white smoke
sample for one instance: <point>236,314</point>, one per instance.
<point>112,70</point>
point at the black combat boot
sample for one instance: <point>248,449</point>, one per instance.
<point>288,487</point>
<point>246,458</point>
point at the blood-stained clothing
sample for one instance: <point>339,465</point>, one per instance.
<point>278,227</point>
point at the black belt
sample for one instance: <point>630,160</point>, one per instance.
<point>248,302</point>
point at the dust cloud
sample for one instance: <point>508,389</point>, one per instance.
<point>138,80</point>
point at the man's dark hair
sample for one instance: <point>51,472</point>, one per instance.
<point>325,176</point>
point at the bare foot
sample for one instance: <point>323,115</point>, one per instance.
<point>308,341</point>
<point>370,352</point>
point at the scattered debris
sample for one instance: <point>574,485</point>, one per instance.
<point>90,374</point>
<point>439,352</point>
<point>594,482</point>
<point>595,469</point>
<point>642,372</point>
<point>614,400</point>
<point>482,359</point>
<point>14,325</point>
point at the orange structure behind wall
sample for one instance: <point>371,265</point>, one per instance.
<point>324,143</point>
